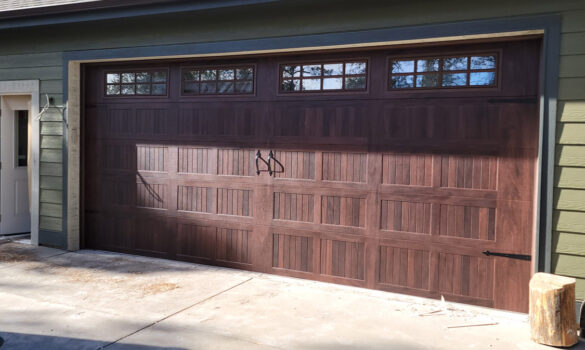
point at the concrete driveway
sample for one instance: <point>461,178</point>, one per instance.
<point>53,299</point>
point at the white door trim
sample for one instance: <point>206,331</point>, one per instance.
<point>31,88</point>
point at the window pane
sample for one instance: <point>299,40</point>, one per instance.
<point>455,63</point>
<point>457,79</point>
<point>430,65</point>
<point>333,69</point>
<point>22,138</point>
<point>209,74</point>
<point>482,78</point>
<point>226,87</point>
<point>402,81</point>
<point>191,75</point>
<point>143,89</point>
<point>226,74</point>
<point>332,84</point>
<point>311,84</point>
<point>244,86</point>
<point>113,78</point>
<point>127,89</point>
<point>208,88</point>
<point>127,77</point>
<point>244,74</point>
<point>143,77</point>
<point>291,85</point>
<point>291,71</point>
<point>312,71</point>
<point>427,80</point>
<point>355,68</point>
<point>483,62</point>
<point>355,83</point>
<point>159,77</point>
<point>402,66</point>
<point>191,88</point>
<point>113,90</point>
<point>159,89</point>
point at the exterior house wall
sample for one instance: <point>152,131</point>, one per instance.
<point>37,54</point>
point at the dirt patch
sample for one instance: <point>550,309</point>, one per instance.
<point>10,257</point>
<point>158,288</point>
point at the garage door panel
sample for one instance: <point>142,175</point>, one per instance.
<point>399,190</point>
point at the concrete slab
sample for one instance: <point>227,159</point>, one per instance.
<point>91,300</point>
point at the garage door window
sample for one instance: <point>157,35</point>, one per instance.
<point>137,83</point>
<point>324,76</point>
<point>446,72</point>
<point>218,80</point>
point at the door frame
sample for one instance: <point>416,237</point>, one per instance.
<point>30,88</point>
<point>548,27</point>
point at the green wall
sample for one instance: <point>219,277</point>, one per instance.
<point>36,54</point>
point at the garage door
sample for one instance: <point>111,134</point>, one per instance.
<point>408,170</point>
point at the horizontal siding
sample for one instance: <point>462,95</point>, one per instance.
<point>569,199</point>
<point>569,243</point>
<point>572,88</point>
<point>570,265</point>
<point>28,61</point>
<point>572,43</point>
<point>51,179</point>
<point>41,73</point>
<point>571,111</point>
<point>570,178</point>
<point>569,194</point>
<point>571,133</point>
<point>570,221</point>
<point>570,156</point>
<point>572,66</point>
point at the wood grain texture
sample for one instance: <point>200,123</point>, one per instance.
<point>404,267</point>
<point>345,167</point>
<point>293,206</point>
<point>474,172</point>
<point>292,252</point>
<point>407,169</point>
<point>297,164</point>
<point>466,275</point>
<point>344,211</point>
<point>197,199</point>
<point>397,191</point>
<point>235,202</point>
<point>194,160</point>
<point>468,222</point>
<point>406,216</point>
<point>342,259</point>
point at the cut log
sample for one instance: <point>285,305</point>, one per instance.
<point>552,310</point>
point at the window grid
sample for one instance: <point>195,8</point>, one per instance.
<point>441,72</point>
<point>344,76</point>
<point>127,83</point>
<point>240,86</point>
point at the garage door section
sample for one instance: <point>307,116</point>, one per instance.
<point>406,170</point>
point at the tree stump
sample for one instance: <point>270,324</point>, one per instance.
<point>552,310</point>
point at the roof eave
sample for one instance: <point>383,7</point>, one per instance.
<point>109,10</point>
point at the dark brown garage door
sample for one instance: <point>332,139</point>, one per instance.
<point>400,168</point>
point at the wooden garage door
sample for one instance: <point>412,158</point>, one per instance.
<point>400,168</point>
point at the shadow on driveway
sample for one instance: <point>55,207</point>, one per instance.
<point>23,341</point>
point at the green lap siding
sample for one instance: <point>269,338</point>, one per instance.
<point>37,54</point>
<point>569,218</point>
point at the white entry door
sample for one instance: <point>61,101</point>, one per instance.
<point>14,200</point>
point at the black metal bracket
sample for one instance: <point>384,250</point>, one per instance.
<point>276,162</point>
<point>268,161</point>
<point>258,159</point>
<point>506,255</point>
